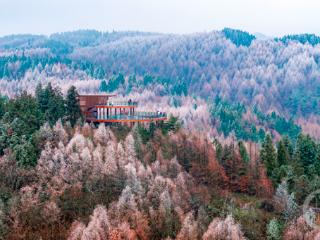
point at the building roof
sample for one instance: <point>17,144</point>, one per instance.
<point>97,95</point>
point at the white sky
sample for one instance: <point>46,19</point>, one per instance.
<point>271,17</point>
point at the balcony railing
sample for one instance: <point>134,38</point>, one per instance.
<point>122,103</point>
<point>135,116</point>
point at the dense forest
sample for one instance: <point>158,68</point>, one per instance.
<point>237,158</point>
<point>62,179</point>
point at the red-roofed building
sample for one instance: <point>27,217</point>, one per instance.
<point>98,108</point>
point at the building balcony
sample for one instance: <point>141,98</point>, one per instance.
<point>118,104</point>
<point>122,103</point>
<point>136,117</point>
<point>98,108</point>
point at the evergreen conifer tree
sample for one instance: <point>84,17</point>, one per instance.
<point>268,155</point>
<point>282,154</point>
<point>306,151</point>
<point>103,86</point>
<point>2,106</point>
<point>72,106</point>
<point>287,143</point>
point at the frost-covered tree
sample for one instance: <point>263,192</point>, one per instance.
<point>72,106</point>
<point>286,202</point>
<point>189,228</point>
<point>102,135</point>
<point>299,229</point>
<point>97,228</point>
<point>223,229</point>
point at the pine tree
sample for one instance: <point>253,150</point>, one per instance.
<point>306,151</point>
<point>243,152</point>
<point>51,103</point>
<point>23,114</point>
<point>72,106</point>
<point>4,137</point>
<point>152,129</point>
<point>235,168</point>
<point>132,81</point>
<point>268,155</point>
<point>2,106</point>
<point>317,164</point>
<point>38,91</point>
<point>45,97</point>
<point>282,154</point>
<point>25,153</point>
<point>287,143</point>
<point>103,86</point>
<point>56,107</point>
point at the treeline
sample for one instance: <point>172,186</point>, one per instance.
<point>22,117</point>
<point>311,39</point>
<point>14,67</point>
<point>73,39</point>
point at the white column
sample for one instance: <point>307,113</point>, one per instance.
<point>98,113</point>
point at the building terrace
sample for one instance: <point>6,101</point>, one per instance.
<point>97,108</point>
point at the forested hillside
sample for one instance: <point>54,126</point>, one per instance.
<point>236,159</point>
<point>280,75</point>
<point>62,179</point>
<point>271,74</point>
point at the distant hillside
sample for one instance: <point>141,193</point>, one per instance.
<point>275,76</point>
<point>80,38</point>
<point>280,75</point>
<point>21,41</point>
<point>311,39</point>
